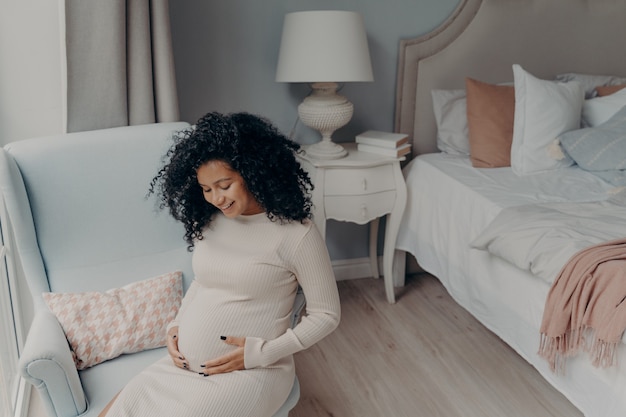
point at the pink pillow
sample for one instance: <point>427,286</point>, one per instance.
<point>607,90</point>
<point>103,325</point>
<point>490,115</point>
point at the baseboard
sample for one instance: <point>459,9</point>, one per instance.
<point>356,268</point>
<point>353,268</point>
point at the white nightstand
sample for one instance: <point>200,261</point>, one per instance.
<point>361,188</point>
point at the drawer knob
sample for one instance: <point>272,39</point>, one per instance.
<point>363,211</point>
<point>364,184</point>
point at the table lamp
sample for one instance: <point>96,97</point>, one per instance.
<point>324,48</point>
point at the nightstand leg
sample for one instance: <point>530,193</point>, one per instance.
<point>373,247</point>
<point>390,242</point>
<point>392,227</point>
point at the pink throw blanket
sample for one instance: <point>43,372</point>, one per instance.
<point>586,307</point>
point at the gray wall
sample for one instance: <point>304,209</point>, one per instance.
<point>226,51</point>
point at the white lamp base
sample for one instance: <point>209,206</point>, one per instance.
<point>325,111</point>
<point>325,150</point>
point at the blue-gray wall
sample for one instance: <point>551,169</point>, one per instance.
<point>226,51</point>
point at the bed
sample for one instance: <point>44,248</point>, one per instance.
<point>462,199</point>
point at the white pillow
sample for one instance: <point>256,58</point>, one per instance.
<point>450,108</point>
<point>543,110</point>
<point>590,81</point>
<point>600,109</point>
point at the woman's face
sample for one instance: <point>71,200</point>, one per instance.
<point>225,189</point>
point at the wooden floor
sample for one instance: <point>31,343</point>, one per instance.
<point>423,356</point>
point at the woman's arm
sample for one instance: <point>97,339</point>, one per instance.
<point>314,272</point>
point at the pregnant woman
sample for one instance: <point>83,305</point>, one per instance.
<point>234,182</point>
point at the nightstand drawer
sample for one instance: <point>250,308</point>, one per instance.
<point>360,209</point>
<point>340,181</point>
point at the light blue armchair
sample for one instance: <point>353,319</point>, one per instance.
<point>81,221</point>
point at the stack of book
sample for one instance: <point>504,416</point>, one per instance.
<point>383,143</point>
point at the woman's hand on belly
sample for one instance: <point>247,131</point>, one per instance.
<point>172,349</point>
<point>232,361</point>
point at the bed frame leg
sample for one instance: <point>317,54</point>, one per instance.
<point>399,268</point>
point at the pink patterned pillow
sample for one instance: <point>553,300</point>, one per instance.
<point>103,325</point>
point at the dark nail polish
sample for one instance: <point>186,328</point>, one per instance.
<point>223,337</point>
<point>201,366</point>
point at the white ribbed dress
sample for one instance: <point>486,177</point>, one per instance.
<point>247,271</point>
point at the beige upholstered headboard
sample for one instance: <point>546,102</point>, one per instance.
<point>483,38</point>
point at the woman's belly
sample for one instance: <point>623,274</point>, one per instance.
<point>213,313</point>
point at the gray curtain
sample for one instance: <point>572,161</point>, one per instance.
<point>120,66</point>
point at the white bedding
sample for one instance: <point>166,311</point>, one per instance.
<point>449,204</point>
<point>541,238</point>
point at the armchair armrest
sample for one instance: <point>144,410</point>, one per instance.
<point>47,363</point>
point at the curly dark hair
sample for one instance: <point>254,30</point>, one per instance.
<point>250,145</point>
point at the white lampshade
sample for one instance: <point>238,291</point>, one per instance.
<point>324,46</point>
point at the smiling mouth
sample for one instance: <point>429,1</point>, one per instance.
<point>227,206</point>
